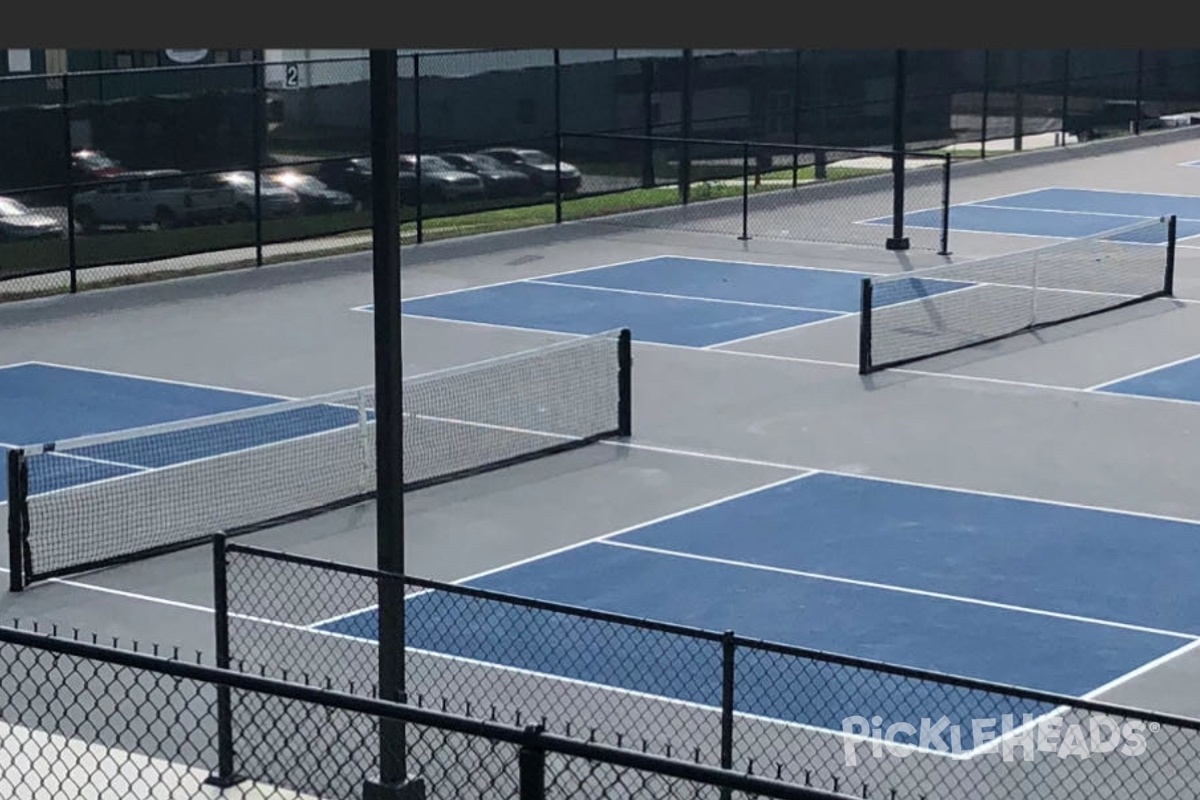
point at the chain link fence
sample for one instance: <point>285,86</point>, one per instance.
<point>81,719</point>
<point>123,174</point>
<point>806,717</point>
<point>761,190</point>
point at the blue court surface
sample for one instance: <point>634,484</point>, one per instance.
<point>1041,595</point>
<point>1179,380</point>
<point>669,300</point>
<point>43,403</point>
<point>1062,213</point>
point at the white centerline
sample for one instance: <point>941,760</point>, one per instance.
<point>900,589</point>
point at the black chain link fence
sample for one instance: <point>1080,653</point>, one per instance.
<point>806,717</point>
<point>81,719</point>
<point>760,190</point>
<point>482,132</point>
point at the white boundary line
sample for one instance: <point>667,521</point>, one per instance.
<point>692,298</point>
<point>788,329</point>
<point>888,587</point>
<point>511,281</point>
<point>105,461</point>
<point>144,378</point>
<point>1098,387</point>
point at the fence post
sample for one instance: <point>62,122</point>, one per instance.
<point>898,241</point>
<point>796,120</point>
<point>728,649</point>
<point>746,191</point>
<point>531,764</point>
<point>259,121</point>
<point>420,209</point>
<point>685,124</point>
<point>18,483</point>
<point>1137,117</point>
<point>1019,104</point>
<point>820,160</point>
<point>648,76</point>
<point>223,777</point>
<point>558,138</point>
<point>68,149</point>
<point>983,121</point>
<point>1066,94</point>
<point>944,250</point>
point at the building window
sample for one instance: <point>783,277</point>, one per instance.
<point>246,55</point>
<point>56,62</point>
<point>20,61</point>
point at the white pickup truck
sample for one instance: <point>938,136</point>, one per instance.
<point>166,198</point>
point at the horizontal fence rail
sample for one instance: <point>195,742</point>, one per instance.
<point>222,161</point>
<point>802,715</point>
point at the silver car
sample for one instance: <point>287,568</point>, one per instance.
<point>18,222</point>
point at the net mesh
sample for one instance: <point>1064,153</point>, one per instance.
<point>106,499</point>
<point>943,309</point>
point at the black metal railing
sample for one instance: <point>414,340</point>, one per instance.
<point>805,716</point>
<point>81,718</point>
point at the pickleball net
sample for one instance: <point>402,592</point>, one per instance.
<point>101,500</point>
<point>928,312</point>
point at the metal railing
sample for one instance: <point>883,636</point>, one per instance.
<point>799,714</point>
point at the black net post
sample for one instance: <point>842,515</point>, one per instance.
<point>68,149</point>
<point>625,383</point>
<point>223,777</point>
<point>746,191</point>
<point>558,138</point>
<point>258,144</point>
<point>864,329</point>
<point>728,654</point>
<point>944,245</point>
<point>18,518</point>
<point>531,763</point>
<point>1169,279</point>
<point>898,241</point>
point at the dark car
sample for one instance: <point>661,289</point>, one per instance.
<point>18,222</point>
<point>538,166</point>
<point>314,194</point>
<point>353,175</point>
<point>441,182</point>
<point>498,180</point>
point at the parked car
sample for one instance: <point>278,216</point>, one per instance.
<point>498,180</point>
<point>439,181</point>
<point>163,197</point>
<point>350,175</point>
<point>353,175</point>
<point>538,166</point>
<point>314,194</point>
<point>92,165</point>
<point>18,222</point>
<point>276,201</point>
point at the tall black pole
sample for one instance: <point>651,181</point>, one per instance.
<point>385,145</point>
<point>898,240</point>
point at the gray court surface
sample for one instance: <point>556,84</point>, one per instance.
<point>1012,418</point>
